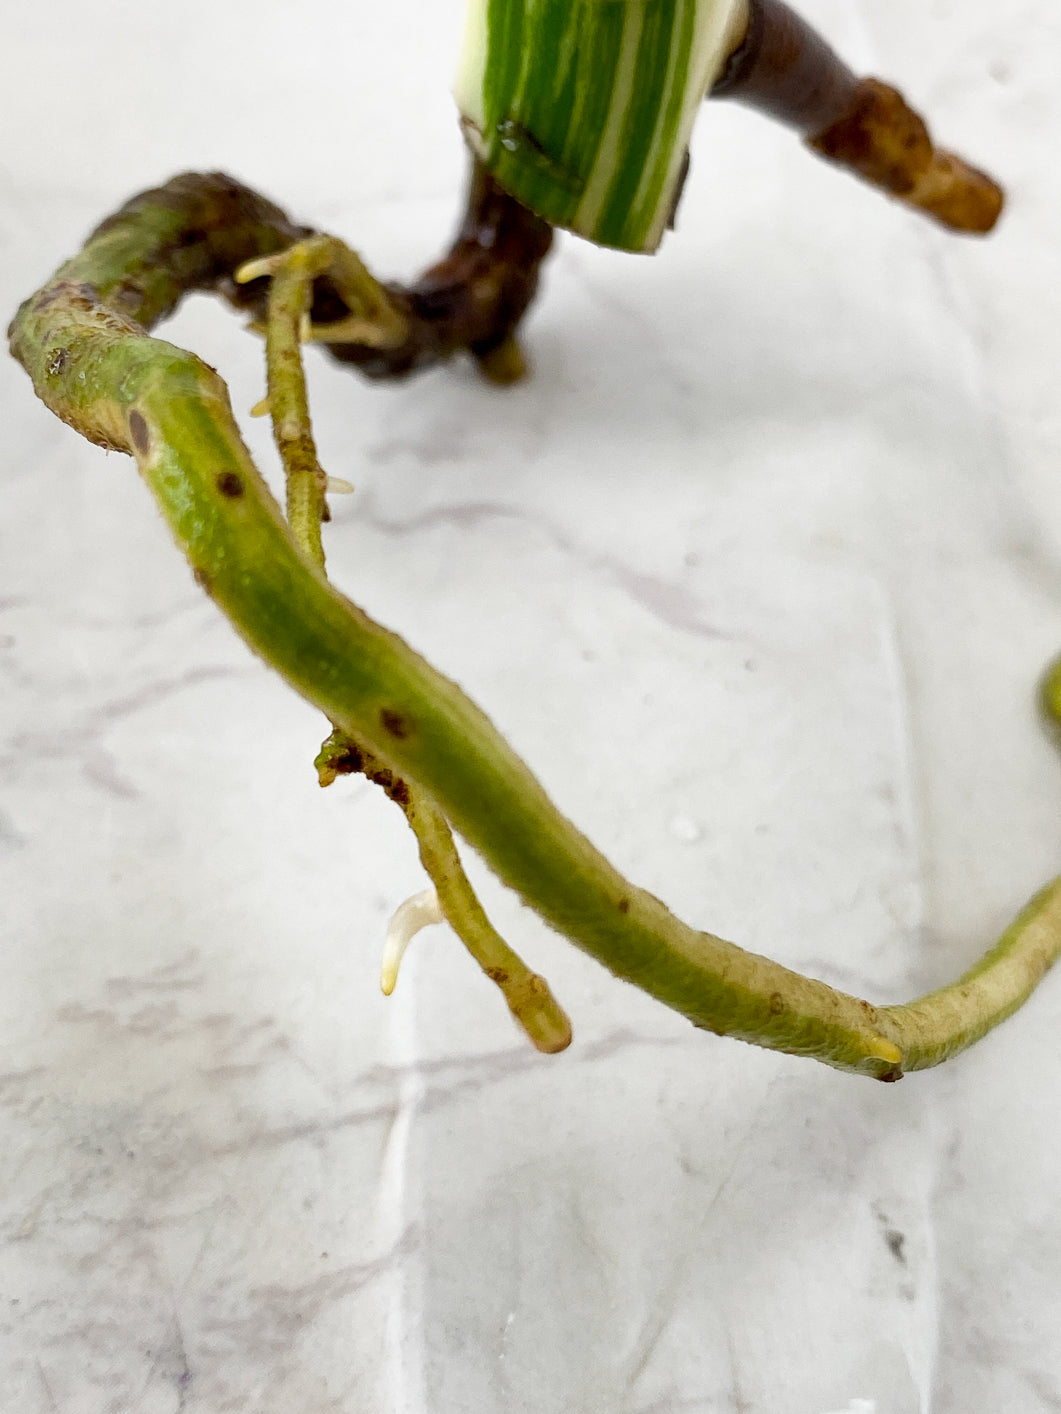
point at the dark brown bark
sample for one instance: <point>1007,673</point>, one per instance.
<point>784,69</point>
<point>473,298</point>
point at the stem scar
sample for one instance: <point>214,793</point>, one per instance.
<point>138,431</point>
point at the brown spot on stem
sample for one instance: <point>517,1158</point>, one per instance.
<point>777,1004</point>
<point>229,483</point>
<point>498,975</point>
<point>83,294</point>
<point>47,297</point>
<point>395,723</point>
<point>393,785</point>
<point>341,757</point>
<point>138,431</point>
<point>624,905</point>
<point>203,579</point>
<point>58,361</point>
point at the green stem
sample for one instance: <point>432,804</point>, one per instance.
<point>939,1025</point>
<point>98,370</point>
<point>376,323</point>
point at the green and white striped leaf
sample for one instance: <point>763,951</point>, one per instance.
<point>583,109</point>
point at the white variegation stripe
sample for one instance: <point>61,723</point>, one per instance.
<point>648,175</point>
<point>603,174</point>
<point>471,65</point>
<point>719,28</point>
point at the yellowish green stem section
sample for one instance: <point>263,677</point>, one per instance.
<point>290,296</point>
<point>528,996</point>
<point>94,365</point>
<point>527,993</point>
<point>376,322</point>
<point>583,109</point>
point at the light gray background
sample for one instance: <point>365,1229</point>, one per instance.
<point>758,571</point>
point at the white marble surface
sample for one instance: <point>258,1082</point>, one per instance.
<point>758,571</point>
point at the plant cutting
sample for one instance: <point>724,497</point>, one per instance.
<point>577,114</point>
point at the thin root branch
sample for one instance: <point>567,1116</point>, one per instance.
<point>374,322</point>
<point>291,273</point>
<point>527,994</point>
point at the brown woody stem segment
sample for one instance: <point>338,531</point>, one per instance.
<point>472,300</point>
<point>783,68</point>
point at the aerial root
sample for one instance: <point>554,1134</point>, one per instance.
<point>374,319</point>
<point>416,913</point>
<point>452,900</point>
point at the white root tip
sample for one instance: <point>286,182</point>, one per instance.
<point>256,269</point>
<point>261,408</point>
<point>355,330</point>
<point>336,486</point>
<point>415,913</point>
